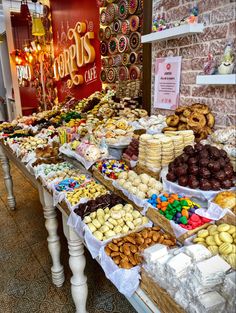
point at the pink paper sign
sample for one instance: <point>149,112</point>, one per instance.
<point>167,82</point>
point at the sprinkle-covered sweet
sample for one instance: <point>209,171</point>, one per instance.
<point>179,209</point>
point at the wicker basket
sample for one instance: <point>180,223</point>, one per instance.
<point>165,224</point>
<point>159,295</point>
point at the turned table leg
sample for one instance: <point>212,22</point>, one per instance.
<point>77,261</point>
<point>53,239</point>
<point>7,179</point>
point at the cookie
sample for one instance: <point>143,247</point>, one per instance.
<point>203,233</point>
<point>225,237</point>
<point>223,228</point>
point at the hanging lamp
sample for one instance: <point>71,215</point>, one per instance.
<point>24,10</point>
<point>37,25</point>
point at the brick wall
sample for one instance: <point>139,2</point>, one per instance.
<point>219,19</point>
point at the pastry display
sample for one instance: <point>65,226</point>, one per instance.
<point>226,200</point>
<point>111,168</point>
<point>141,185</point>
<point>118,220</point>
<point>203,167</point>
<point>127,251</point>
<point>47,151</point>
<point>90,190</point>
<point>220,240</point>
<point>153,124</point>
<point>179,209</point>
<point>197,117</point>
<point>131,153</point>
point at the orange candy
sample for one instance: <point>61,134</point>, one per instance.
<point>184,213</point>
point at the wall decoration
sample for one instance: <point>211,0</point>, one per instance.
<point>121,48</point>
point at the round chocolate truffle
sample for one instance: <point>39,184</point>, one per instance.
<point>193,169</point>
<point>189,150</point>
<point>183,181</point>
<point>205,184</point>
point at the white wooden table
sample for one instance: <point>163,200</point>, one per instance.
<point>77,261</point>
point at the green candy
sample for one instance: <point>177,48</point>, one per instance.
<point>179,208</point>
<point>161,212</point>
<point>169,206</point>
<point>184,203</point>
<point>183,220</point>
<point>175,203</point>
<point>169,216</point>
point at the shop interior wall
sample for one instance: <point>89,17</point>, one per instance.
<point>220,25</point>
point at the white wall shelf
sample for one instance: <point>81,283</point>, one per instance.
<point>175,32</point>
<point>229,79</point>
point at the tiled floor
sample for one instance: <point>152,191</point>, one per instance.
<point>25,278</point>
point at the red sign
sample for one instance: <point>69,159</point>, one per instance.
<point>77,63</point>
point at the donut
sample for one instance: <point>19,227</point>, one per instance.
<point>180,110</point>
<point>117,26</point>
<point>200,136</point>
<point>123,10</point>
<point>200,108</point>
<point>182,126</point>
<point>182,118</point>
<point>196,119</point>
<point>172,120</point>
<point>123,73</point>
<point>135,40</point>
<point>103,48</point>
<point>107,32</point>
<point>187,112</point>
<point>133,6</point>
<point>169,129</point>
<point>134,23</point>
<point>210,120</point>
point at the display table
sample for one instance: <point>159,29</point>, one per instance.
<point>140,301</point>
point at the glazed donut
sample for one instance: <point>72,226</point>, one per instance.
<point>210,120</point>
<point>182,118</point>
<point>180,110</point>
<point>169,129</point>
<point>200,108</point>
<point>172,120</point>
<point>187,112</point>
<point>196,119</point>
<point>182,126</point>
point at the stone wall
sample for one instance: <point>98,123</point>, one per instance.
<point>219,19</point>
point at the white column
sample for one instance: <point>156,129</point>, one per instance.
<point>77,261</point>
<point>53,239</point>
<point>7,179</point>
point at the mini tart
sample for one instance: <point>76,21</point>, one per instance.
<point>111,75</point>
<point>134,72</point>
<point>123,73</point>
<point>125,59</point>
<point>125,27</point>
<point>103,48</point>
<point>133,6</point>
<point>113,45</point>
<point>135,40</point>
<point>103,76</point>
<point>123,9</point>
<point>103,17</point>
<point>140,58</point>
<point>117,26</point>
<point>123,44</point>
<point>134,23</point>
<point>133,57</point>
<point>108,32</point>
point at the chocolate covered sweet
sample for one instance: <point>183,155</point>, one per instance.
<point>204,167</point>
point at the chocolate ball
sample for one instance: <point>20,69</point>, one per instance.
<point>205,184</point>
<point>203,154</point>
<point>192,160</point>
<point>223,153</point>
<point>229,173</point>
<point>181,170</point>
<point>203,162</point>
<point>226,184</point>
<point>198,147</point>
<point>194,184</point>
<point>204,172</point>
<point>189,150</point>
<point>214,152</point>
<point>183,181</point>
<point>171,176</point>
<point>215,184</point>
<point>222,162</point>
<point>171,166</point>
<point>193,169</point>
<point>220,175</point>
<point>214,166</point>
<point>184,157</point>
